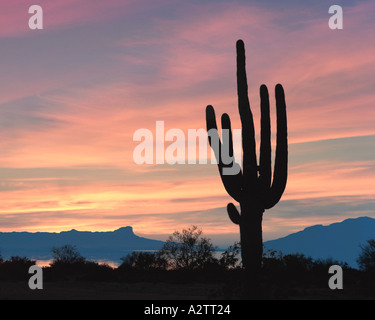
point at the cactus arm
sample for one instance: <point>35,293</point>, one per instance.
<point>227,143</point>
<point>281,160</point>
<point>233,213</point>
<point>232,183</point>
<point>248,136</point>
<point>265,170</point>
<point>213,133</point>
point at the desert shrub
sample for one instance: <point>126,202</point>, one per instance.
<point>187,250</point>
<point>143,261</point>
<point>16,268</point>
<point>230,258</point>
<point>297,262</point>
<point>67,262</point>
<point>366,259</point>
<point>65,255</point>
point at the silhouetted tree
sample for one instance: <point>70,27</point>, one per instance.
<point>187,250</point>
<point>297,263</point>
<point>229,258</point>
<point>143,261</point>
<point>252,186</point>
<point>366,259</point>
<point>16,268</point>
<point>66,254</point>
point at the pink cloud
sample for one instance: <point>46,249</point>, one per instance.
<point>59,14</point>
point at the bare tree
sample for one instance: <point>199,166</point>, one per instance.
<point>188,250</point>
<point>366,259</point>
<point>67,254</point>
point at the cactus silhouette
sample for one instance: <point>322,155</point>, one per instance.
<point>252,186</point>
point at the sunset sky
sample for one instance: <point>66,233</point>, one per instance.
<point>74,93</point>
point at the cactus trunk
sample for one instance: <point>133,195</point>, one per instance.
<point>251,238</point>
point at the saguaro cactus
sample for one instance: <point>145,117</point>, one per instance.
<point>253,186</point>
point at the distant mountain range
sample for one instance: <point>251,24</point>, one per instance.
<point>96,246</point>
<point>340,241</point>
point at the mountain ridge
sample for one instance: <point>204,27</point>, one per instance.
<point>340,241</point>
<point>97,245</point>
